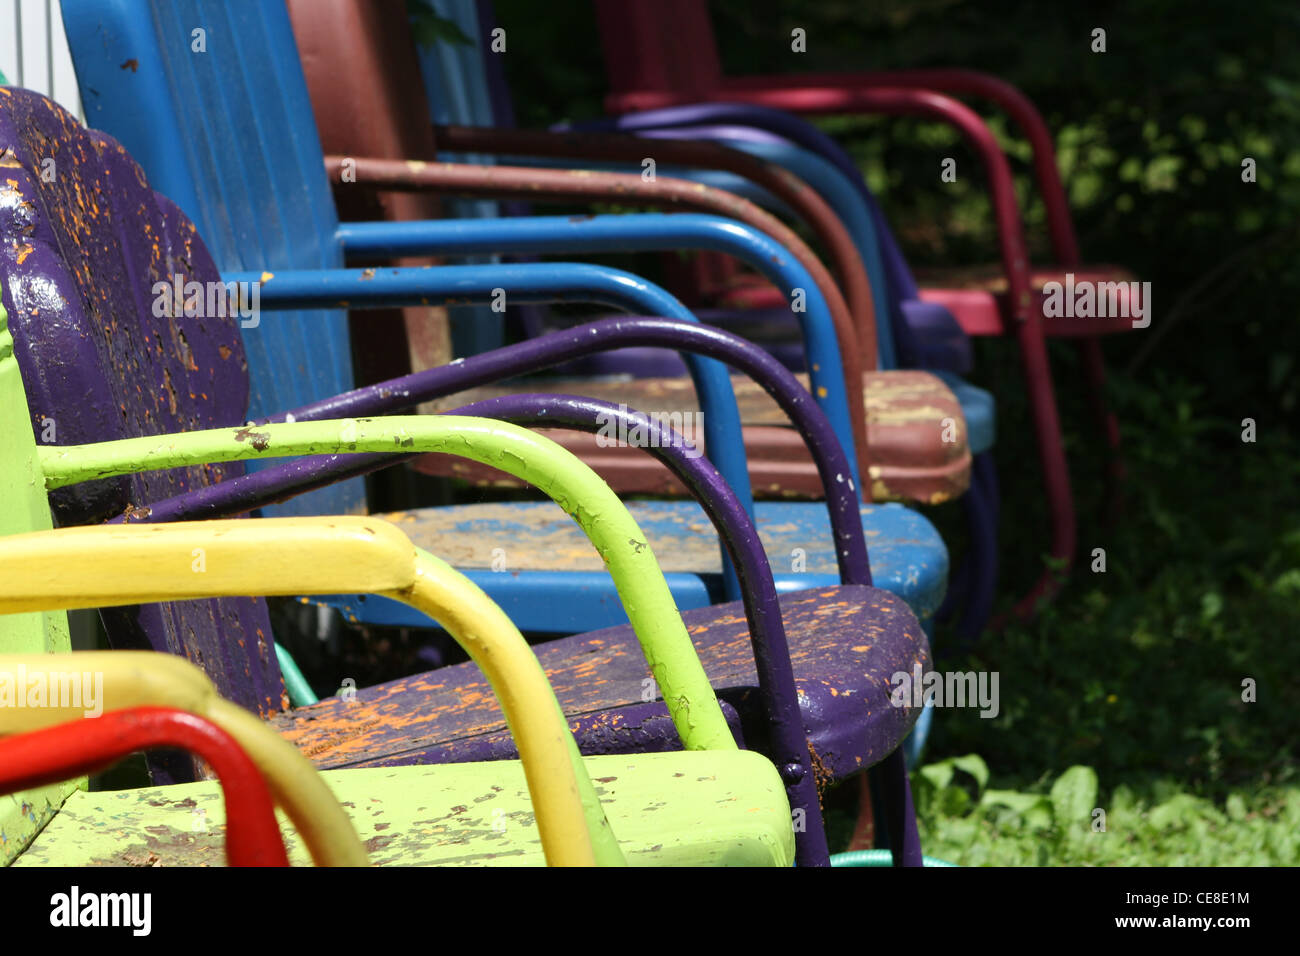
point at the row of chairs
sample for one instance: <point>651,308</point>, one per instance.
<point>154,410</point>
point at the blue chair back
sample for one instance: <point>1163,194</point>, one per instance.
<point>210,99</point>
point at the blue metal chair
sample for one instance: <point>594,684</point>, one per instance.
<point>247,90</point>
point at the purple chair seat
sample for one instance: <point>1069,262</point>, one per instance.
<point>845,643</point>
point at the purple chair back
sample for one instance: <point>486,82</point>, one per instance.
<point>84,242</point>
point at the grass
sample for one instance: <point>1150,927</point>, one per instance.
<point>1130,694</point>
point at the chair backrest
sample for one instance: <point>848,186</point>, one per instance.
<point>210,98</point>
<point>103,355</point>
<point>658,45</point>
<point>376,108</point>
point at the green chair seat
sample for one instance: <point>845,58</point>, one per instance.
<point>676,809</point>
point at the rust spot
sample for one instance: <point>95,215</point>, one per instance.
<point>132,513</point>
<point>171,391</point>
<point>261,440</point>
<point>821,773</point>
<point>131,65</point>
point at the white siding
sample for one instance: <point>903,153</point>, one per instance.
<point>34,51</point>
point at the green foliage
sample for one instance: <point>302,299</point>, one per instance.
<point>1137,673</point>
<point>964,822</point>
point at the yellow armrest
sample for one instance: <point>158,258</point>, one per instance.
<point>131,564</point>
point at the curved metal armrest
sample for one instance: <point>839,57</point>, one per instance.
<point>80,747</point>
<point>795,97</point>
<point>527,282</point>
<point>831,346</point>
<point>666,191</point>
<point>734,527</point>
<point>533,458</point>
<point>110,565</point>
<point>1010,99</point>
<point>542,282</point>
<point>807,204</point>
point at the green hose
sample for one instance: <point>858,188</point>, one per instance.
<point>876,858</point>
<point>300,692</point>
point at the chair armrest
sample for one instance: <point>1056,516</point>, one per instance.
<point>124,679</point>
<point>831,346</point>
<point>791,96</point>
<point>1010,99</point>
<point>530,457</point>
<point>524,182</point>
<point>106,565</point>
<point>81,747</point>
<point>807,204</point>
<point>135,564</point>
<point>525,282</point>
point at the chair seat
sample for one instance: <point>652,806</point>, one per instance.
<point>906,412</point>
<point>704,808</point>
<point>533,560</point>
<point>977,297</point>
<point>845,645</point>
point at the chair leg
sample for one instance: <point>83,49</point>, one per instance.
<point>1051,456</point>
<point>982,513</point>
<point>893,798</point>
<point>958,581</point>
<point>1094,372</point>
<point>864,829</point>
<point>811,848</point>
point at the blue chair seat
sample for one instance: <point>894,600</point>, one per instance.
<point>550,579</point>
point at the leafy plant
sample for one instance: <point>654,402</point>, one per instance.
<point>965,822</point>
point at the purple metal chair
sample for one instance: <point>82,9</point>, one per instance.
<point>79,262</point>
